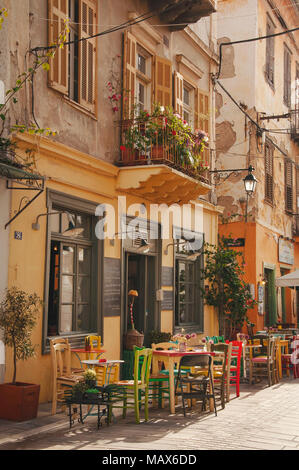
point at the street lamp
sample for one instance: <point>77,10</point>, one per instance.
<point>249,181</point>
<point>249,184</point>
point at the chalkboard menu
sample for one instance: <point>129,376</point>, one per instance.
<point>167,302</point>
<point>167,276</point>
<point>112,287</point>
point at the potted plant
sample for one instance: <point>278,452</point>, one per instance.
<point>133,337</point>
<point>18,314</point>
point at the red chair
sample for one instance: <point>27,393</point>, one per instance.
<point>235,368</point>
<point>291,361</point>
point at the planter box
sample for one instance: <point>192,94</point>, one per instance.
<point>19,402</point>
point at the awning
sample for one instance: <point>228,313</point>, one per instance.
<point>289,280</point>
<point>15,173</point>
<point>25,181</point>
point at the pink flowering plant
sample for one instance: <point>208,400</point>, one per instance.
<point>182,337</point>
<point>164,127</point>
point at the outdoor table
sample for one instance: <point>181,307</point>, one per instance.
<point>78,351</point>
<point>170,358</point>
<point>100,399</point>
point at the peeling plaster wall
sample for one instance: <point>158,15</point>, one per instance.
<point>243,76</point>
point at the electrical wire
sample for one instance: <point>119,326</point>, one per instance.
<point>128,23</point>
<point>222,44</point>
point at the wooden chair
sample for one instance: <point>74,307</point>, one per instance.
<point>195,385</point>
<point>133,393</point>
<point>235,367</point>
<point>96,342</point>
<point>158,384</point>
<point>221,370</point>
<point>63,376</point>
<point>265,365</point>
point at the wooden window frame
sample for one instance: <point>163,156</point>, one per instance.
<point>60,73</point>
<point>72,203</point>
<point>198,324</point>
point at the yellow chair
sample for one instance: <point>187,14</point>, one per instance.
<point>95,342</point>
<point>63,375</point>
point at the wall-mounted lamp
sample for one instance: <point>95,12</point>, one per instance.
<point>263,280</point>
<point>71,231</point>
<point>192,257</point>
<point>172,244</point>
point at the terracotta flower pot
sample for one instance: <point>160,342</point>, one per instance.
<point>19,401</point>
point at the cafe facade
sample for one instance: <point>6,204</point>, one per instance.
<point>103,224</point>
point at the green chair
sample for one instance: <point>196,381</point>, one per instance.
<point>132,393</point>
<point>156,386</point>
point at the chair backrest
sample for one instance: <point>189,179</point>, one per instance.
<point>142,365</point>
<point>163,346</point>
<point>95,339</point>
<point>196,360</point>
<point>61,357</point>
<point>236,353</point>
<point>225,360</point>
<point>272,344</point>
<point>262,340</point>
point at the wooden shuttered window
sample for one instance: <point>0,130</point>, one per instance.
<point>163,81</point>
<point>129,74</point>
<point>287,78</point>
<point>58,73</point>
<point>269,192</point>
<point>202,117</point>
<point>288,173</point>
<point>270,53</point>
<point>178,93</point>
<point>69,71</point>
<point>87,53</point>
<point>161,78</point>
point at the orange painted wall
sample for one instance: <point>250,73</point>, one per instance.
<point>247,231</point>
<point>261,246</point>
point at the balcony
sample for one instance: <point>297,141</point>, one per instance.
<point>162,160</point>
<point>180,13</point>
<point>295,124</point>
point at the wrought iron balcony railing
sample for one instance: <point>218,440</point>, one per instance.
<point>154,141</point>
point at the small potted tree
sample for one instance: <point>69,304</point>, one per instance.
<point>18,313</point>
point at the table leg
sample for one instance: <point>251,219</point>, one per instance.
<point>279,361</point>
<point>171,384</point>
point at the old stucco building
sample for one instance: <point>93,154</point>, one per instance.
<point>257,124</point>
<point>83,280</point>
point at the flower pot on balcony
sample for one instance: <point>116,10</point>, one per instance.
<point>19,401</point>
<point>158,152</point>
<point>127,154</point>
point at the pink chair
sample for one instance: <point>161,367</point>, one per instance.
<point>235,367</point>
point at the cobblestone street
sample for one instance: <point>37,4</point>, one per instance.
<point>262,419</point>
